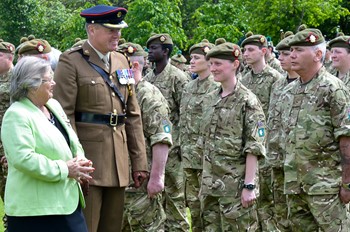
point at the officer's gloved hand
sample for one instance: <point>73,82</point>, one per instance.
<point>139,177</point>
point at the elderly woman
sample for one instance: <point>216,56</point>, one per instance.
<point>45,159</point>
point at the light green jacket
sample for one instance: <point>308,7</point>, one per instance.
<point>36,151</point>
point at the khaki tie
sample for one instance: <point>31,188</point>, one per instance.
<point>105,61</point>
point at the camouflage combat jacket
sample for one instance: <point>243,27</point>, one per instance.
<point>275,64</point>
<point>170,82</point>
<point>191,118</point>
<point>4,99</point>
<point>261,84</point>
<point>154,112</point>
<point>313,116</point>
<point>231,128</point>
<point>274,155</point>
<point>345,79</point>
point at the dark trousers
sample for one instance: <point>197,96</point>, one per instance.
<point>74,222</point>
<point>104,209</point>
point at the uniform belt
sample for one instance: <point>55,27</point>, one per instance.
<point>109,119</point>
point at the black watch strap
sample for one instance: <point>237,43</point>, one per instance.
<point>249,186</point>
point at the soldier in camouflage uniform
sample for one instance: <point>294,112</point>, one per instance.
<point>271,60</point>
<point>7,51</point>
<point>340,48</point>
<point>260,80</point>
<point>190,119</point>
<point>274,156</point>
<point>170,81</point>
<point>144,212</point>
<point>232,134</point>
<point>314,116</point>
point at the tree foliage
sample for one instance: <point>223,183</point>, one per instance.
<point>220,20</point>
<point>154,16</point>
<point>188,22</point>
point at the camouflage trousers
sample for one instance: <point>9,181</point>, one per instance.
<point>142,213</point>
<point>221,214</point>
<point>174,200</point>
<point>280,208</point>
<point>192,187</point>
<point>265,201</point>
<point>309,213</point>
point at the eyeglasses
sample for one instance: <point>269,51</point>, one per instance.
<point>50,79</point>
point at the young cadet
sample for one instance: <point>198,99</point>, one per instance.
<point>232,135</point>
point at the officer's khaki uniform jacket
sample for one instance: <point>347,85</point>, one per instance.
<point>79,88</point>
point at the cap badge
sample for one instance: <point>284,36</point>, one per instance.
<point>40,47</point>
<point>119,14</point>
<point>262,39</point>
<point>311,38</point>
<point>162,38</point>
<point>131,49</point>
<point>236,52</point>
<point>206,49</point>
<point>10,48</point>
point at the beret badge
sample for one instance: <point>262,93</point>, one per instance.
<point>40,47</point>
<point>131,49</point>
<point>236,52</point>
<point>262,39</point>
<point>119,14</point>
<point>312,38</point>
<point>162,38</point>
<point>206,49</point>
<point>10,48</point>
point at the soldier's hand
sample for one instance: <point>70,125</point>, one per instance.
<point>344,195</point>
<point>248,198</point>
<point>155,186</point>
<point>139,177</point>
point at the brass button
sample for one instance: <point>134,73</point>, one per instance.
<point>113,94</point>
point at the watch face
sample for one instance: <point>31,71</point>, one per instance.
<point>249,186</point>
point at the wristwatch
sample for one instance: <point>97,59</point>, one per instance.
<point>346,186</point>
<point>249,186</point>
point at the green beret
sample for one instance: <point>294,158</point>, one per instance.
<point>340,42</point>
<point>283,45</point>
<point>220,41</point>
<point>307,37</point>
<point>257,40</point>
<point>132,49</point>
<point>34,47</point>
<point>225,51</point>
<point>288,33</point>
<point>201,48</point>
<point>179,58</point>
<point>7,47</point>
<point>160,39</point>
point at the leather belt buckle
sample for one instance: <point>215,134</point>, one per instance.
<point>113,120</point>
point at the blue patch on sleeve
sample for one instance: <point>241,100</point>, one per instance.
<point>261,132</point>
<point>166,129</point>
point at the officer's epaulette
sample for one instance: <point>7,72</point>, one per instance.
<point>74,49</point>
<point>127,57</point>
